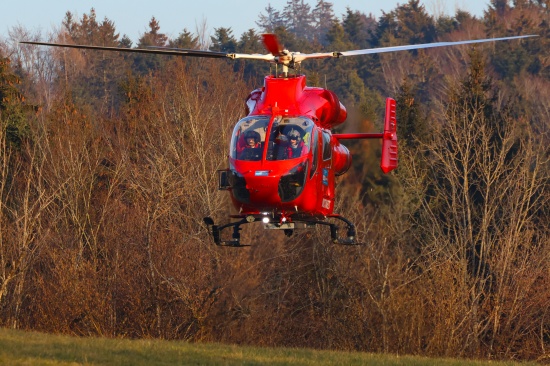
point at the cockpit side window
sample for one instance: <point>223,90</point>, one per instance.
<point>327,149</point>
<point>315,160</point>
<point>248,138</point>
<point>289,138</point>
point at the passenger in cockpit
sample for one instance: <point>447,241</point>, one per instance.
<point>296,146</point>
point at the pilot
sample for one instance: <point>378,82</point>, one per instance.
<point>296,146</point>
<point>252,148</point>
<point>252,139</point>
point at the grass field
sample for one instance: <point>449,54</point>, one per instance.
<point>29,348</point>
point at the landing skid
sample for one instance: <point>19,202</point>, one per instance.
<point>235,240</point>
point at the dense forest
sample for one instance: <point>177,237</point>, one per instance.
<point>109,160</point>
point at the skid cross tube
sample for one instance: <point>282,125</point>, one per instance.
<point>235,237</point>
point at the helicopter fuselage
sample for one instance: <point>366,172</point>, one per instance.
<point>272,180</point>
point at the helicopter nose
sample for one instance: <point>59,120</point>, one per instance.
<point>263,188</point>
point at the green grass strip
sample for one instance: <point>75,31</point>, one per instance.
<point>31,348</point>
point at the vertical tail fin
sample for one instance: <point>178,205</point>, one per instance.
<point>389,140</point>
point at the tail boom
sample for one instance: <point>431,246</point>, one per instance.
<point>389,160</point>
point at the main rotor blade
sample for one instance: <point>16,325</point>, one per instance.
<point>163,51</point>
<point>271,42</point>
<point>424,45</point>
<point>301,57</point>
<point>158,51</point>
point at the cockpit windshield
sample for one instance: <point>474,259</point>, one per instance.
<point>287,138</point>
<point>248,138</point>
<point>290,138</point>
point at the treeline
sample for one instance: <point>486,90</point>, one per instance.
<point>108,165</point>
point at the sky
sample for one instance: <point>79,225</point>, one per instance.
<point>131,17</point>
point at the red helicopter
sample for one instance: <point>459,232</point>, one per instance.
<point>283,158</point>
